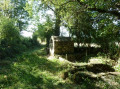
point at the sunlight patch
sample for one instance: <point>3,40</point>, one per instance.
<point>96,60</point>
<point>61,59</point>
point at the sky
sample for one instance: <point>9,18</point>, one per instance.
<point>27,34</point>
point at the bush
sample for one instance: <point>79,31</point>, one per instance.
<point>11,43</point>
<point>114,51</point>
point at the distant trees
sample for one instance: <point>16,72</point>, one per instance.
<point>15,9</point>
<point>45,30</point>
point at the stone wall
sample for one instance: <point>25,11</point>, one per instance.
<point>72,57</point>
<point>63,47</point>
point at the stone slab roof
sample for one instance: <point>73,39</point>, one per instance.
<point>58,38</point>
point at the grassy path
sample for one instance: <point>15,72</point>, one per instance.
<point>33,70</point>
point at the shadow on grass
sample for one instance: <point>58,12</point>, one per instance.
<point>85,53</point>
<point>42,63</point>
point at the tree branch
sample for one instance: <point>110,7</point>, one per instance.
<point>51,8</point>
<point>112,12</point>
<point>115,13</point>
<point>62,4</point>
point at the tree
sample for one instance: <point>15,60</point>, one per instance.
<point>102,6</point>
<point>79,23</point>
<point>45,30</point>
<point>56,9</point>
<point>82,28</point>
<point>57,6</point>
<point>15,9</point>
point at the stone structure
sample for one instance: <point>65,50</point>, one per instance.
<point>61,45</point>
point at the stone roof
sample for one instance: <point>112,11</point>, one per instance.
<point>59,38</point>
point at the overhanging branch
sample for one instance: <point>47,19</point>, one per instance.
<point>61,4</point>
<point>115,13</point>
<point>112,12</point>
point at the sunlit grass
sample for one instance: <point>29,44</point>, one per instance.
<point>117,67</point>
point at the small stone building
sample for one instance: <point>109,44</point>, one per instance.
<point>61,45</point>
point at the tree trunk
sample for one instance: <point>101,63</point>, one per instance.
<point>47,45</point>
<point>57,23</point>
<point>47,41</point>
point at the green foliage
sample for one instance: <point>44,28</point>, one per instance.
<point>82,28</point>
<point>8,30</point>
<point>11,42</point>
<point>79,23</point>
<point>45,30</point>
<point>5,6</point>
<point>29,8</point>
<point>15,9</point>
<point>9,37</point>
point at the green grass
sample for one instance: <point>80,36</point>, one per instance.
<point>33,70</point>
